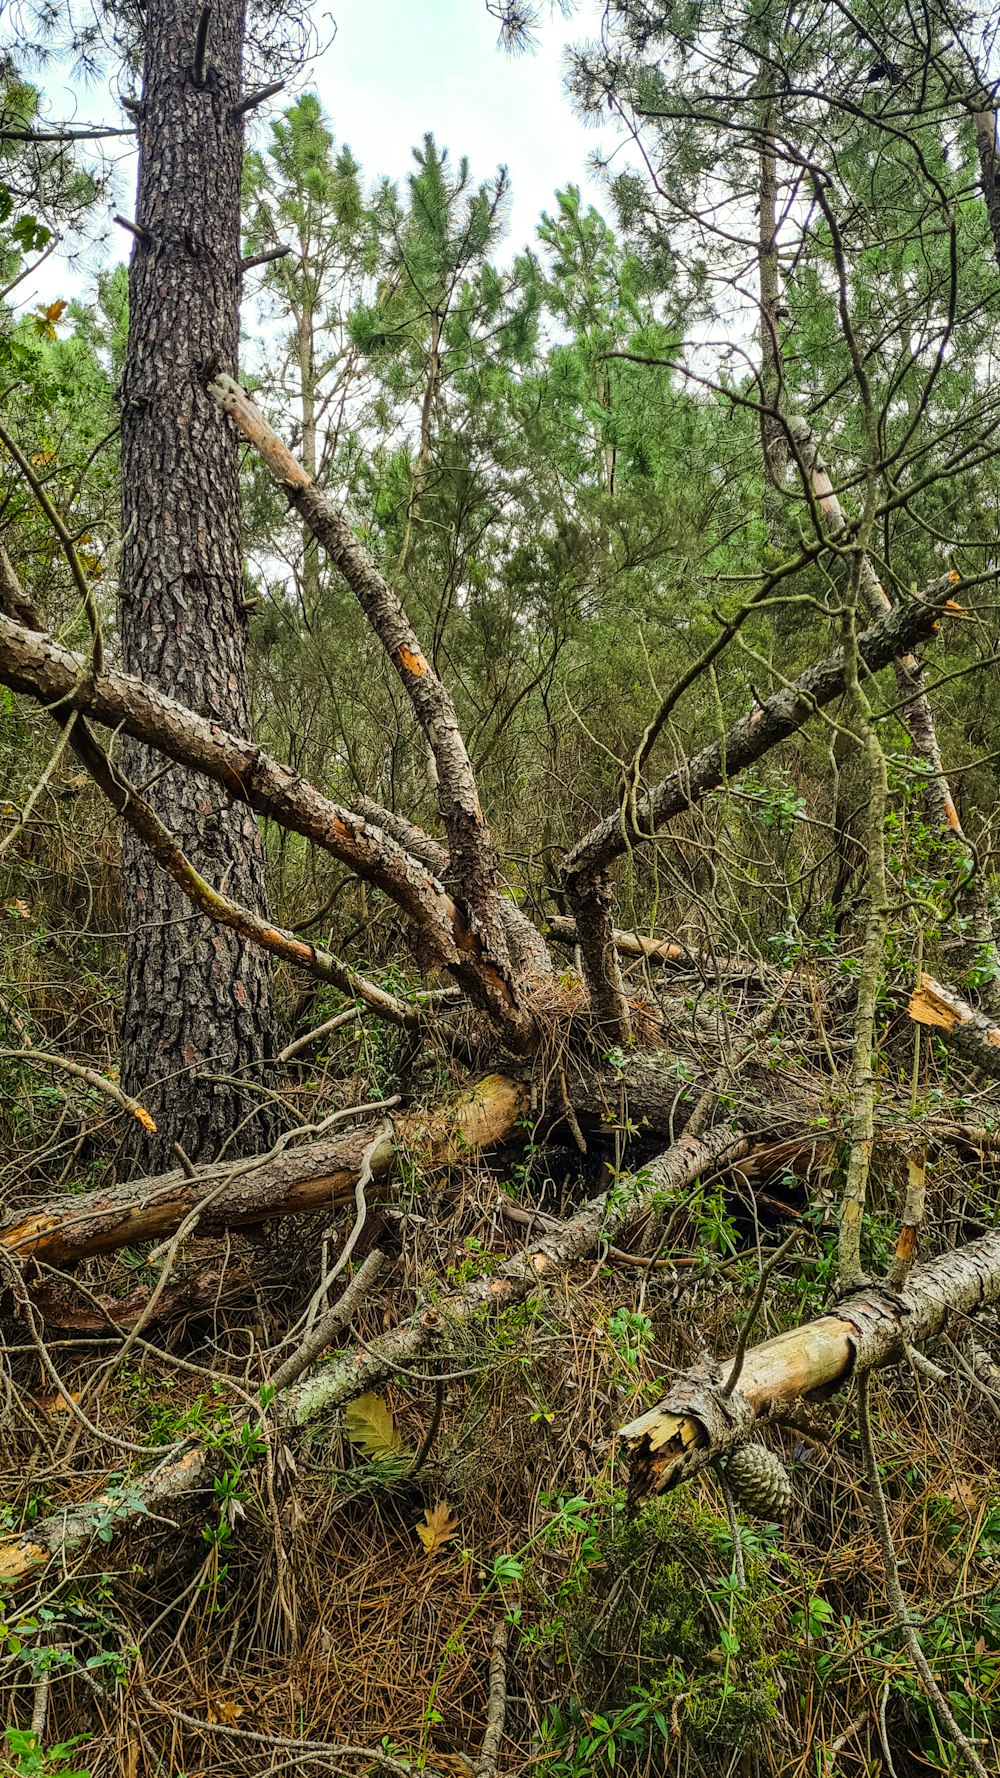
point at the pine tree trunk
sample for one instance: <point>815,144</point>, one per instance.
<point>197,999</point>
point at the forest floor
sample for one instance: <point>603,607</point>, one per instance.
<point>448,1576</point>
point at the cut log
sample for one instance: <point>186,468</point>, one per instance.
<point>301,1181</point>
<point>969,1033</point>
<point>695,1423</point>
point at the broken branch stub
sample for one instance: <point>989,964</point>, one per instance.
<point>969,1033</point>
<point>695,1424</point>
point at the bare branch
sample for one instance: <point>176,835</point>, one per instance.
<point>757,732</point>
<point>40,667</point>
<point>473,860</point>
<point>294,1182</point>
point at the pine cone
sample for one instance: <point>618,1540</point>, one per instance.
<point>759,1480</point>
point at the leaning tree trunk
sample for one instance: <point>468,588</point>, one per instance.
<point>197,998</point>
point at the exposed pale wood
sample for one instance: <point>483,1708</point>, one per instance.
<point>360,1367</point>
<point>970,1033</point>
<point>693,1425</point>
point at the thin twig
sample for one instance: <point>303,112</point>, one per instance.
<point>496,1712</point>
<point>758,1297</point>
<point>883,1531</point>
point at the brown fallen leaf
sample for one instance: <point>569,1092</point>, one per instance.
<point>439,1528</point>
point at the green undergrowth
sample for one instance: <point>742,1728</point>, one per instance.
<point>663,1645</point>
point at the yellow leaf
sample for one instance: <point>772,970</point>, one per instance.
<point>140,1112</point>
<point>369,1424</point>
<point>439,1527</point>
<point>46,317</point>
<point>224,1710</point>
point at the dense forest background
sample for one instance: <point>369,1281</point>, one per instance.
<point>499,883</point>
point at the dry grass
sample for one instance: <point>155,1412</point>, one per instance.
<point>325,1620</point>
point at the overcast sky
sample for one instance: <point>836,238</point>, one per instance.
<point>394,69</point>
<point>399,67</point>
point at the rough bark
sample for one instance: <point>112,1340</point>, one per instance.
<point>197,998</point>
<point>299,1181</point>
<point>39,666</point>
<point>774,440</point>
<point>984,125</point>
<point>695,1423</point>
<point>591,900</point>
<point>527,946</point>
<point>754,734</point>
<point>362,1366</point>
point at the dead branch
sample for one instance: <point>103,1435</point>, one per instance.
<point>969,1033</point>
<point>141,817</point>
<point>298,1181</point>
<point>668,951</point>
<point>472,856</point>
<point>70,1531</point>
<point>756,733</point>
<point>496,1713</point>
<point>40,667</point>
<point>695,1423</point>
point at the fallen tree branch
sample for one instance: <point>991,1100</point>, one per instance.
<point>473,859</point>
<point>60,1304</point>
<point>496,1713</point>
<point>142,818</point>
<point>631,944</point>
<point>754,734</point>
<point>36,664</point>
<point>696,1423</point>
<point>298,1181</point>
<point>36,1058</point>
<point>68,1533</point>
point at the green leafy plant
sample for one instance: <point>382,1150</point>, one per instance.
<point>31,1760</point>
